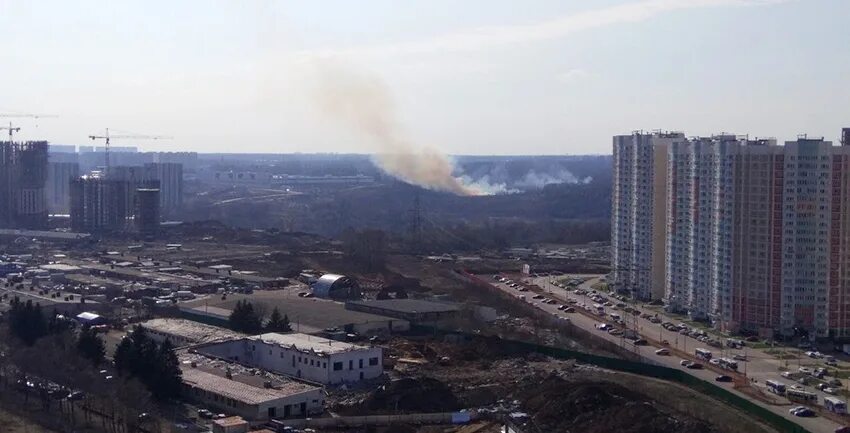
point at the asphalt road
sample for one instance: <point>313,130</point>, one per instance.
<point>760,366</point>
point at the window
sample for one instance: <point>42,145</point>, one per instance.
<point>373,361</point>
<point>361,363</point>
<point>337,366</point>
<point>311,362</point>
<point>351,364</point>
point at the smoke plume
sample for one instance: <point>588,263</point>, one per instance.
<point>363,103</point>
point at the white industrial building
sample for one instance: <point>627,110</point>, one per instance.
<point>245,392</point>
<point>303,356</point>
<point>182,332</point>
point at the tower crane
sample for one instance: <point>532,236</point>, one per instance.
<point>14,129</point>
<point>107,137</point>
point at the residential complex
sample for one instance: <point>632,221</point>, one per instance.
<point>756,236</point>
<point>638,212</point>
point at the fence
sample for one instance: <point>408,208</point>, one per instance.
<point>415,418</point>
<point>640,368</point>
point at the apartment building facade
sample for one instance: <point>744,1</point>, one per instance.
<point>639,207</point>
<point>757,236</point>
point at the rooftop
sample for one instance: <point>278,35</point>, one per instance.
<point>87,316</point>
<point>246,384</point>
<point>190,330</point>
<point>59,267</point>
<point>307,343</point>
<point>409,305</point>
<point>309,315</point>
<point>230,421</point>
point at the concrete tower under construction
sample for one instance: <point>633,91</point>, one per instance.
<point>147,212</point>
<point>23,177</point>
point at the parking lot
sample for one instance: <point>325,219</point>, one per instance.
<point>661,340</point>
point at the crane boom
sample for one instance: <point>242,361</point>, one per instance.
<point>12,129</point>
<point>107,137</point>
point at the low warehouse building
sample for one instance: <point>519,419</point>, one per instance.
<point>412,310</point>
<point>306,315</point>
<point>234,389</point>
<point>182,332</point>
<point>303,356</point>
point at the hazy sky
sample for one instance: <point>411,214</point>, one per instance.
<point>468,77</point>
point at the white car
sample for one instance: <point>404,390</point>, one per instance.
<point>787,375</point>
<point>662,352</point>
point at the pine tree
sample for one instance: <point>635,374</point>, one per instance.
<point>253,322</point>
<point>91,346</point>
<point>166,380</point>
<point>243,318</point>
<point>125,356</point>
<point>26,321</point>
<point>278,323</point>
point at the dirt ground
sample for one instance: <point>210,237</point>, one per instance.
<point>10,423</point>
<point>557,396</point>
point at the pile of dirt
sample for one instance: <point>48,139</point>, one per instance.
<point>409,395</point>
<point>556,405</point>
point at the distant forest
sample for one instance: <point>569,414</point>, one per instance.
<point>537,199</point>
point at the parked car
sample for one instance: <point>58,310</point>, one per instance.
<point>723,378</point>
<point>739,357</point>
<point>803,412</point>
<point>662,352</point>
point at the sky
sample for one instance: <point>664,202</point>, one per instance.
<point>464,77</point>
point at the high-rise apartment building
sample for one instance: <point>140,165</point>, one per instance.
<point>170,177</point>
<point>99,205</point>
<point>839,252</point>
<point>147,212</point>
<point>638,232</point>
<point>756,235</point>
<point>23,174</point>
<point>59,176</point>
<point>699,226</point>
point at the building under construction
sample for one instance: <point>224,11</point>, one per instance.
<point>99,205</point>
<point>23,177</point>
<point>147,212</point>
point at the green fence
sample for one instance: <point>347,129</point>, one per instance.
<point>655,371</point>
